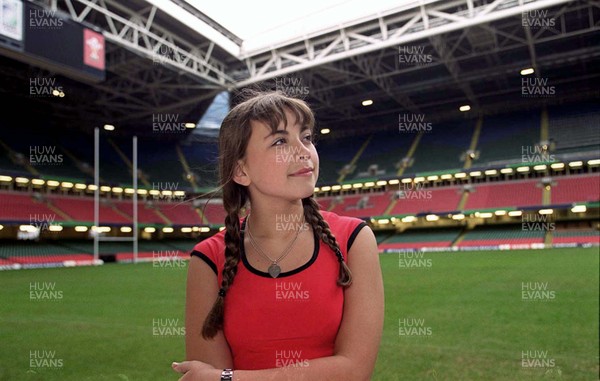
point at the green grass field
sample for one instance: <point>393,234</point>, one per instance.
<point>124,322</point>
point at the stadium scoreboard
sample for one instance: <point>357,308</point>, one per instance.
<point>51,40</point>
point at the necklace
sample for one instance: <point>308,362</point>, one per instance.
<point>274,269</point>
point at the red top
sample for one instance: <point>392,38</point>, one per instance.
<point>276,322</point>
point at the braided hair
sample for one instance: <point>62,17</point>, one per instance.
<point>269,108</point>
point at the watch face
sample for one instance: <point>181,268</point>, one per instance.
<point>227,375</point>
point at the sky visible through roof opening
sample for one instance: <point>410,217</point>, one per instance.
<point>261,23</point>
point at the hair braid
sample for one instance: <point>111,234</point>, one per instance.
<point>321,227</point>
<point>214,320</point>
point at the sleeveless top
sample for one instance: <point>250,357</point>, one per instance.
<point>284,321</point>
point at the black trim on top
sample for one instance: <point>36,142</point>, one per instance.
<point>353,235</point>
<point>283,274</point>
<point>206,259</point>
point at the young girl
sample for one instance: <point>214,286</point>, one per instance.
<point>299,292</point>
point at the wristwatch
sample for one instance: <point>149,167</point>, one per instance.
<point>227,375</point>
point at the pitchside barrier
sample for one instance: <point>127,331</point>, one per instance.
<point>519,246</point>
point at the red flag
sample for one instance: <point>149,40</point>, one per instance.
<point>93,49</point>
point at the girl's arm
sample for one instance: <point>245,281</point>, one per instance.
<point>201,293</point>
<point>357,341</point>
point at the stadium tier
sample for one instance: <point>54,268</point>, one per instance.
<point>179,213</point>
<point>583,188</point>
<point>159,162</point>
<point>495,141</point>
<point>505,194</point>
<point>60,251</point>
<point>443,147</point>
<point>382,155</point>
<point>162,165</point>
<point>202,162</point>
<point>27,208</point>
<point>578,236</point>
<point>214,213</point>
<point>82,209</point>
<point>504,137</point>
<point>324,202</point>
<point>21,207</point>
<point>574,128</point>
<point>498,140</point>
<point>424,200</point>
<point>146,214</point>
<point>415,239</point>
<point>336,157</point>
<point>362,206</point>
<point>9,160</point>
<point>493,236</point>
<point>512,236</point>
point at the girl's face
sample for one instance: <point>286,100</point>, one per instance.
<point>283,164</point>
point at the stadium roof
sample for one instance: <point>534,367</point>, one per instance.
<point>263,23</point>
<point>423,57</point>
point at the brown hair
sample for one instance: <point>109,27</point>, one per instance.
<point>269,108</point>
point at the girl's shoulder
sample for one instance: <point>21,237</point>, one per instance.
<point>334,219</point>
<point>344,228</point>
<point>211,250</point>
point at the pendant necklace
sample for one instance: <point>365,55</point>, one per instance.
<point>274,269</point>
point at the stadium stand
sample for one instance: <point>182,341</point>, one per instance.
<point>362,206</point>
<point>581,188</point>
<point>82,209</point>
<point>190,166</point>
<point>504,137</point>
<point>159,162</point>
<point>179,214</point>
<point>424,200</point>
<point>324,202</point>
<point>214,213</point>
<point>514,235</point>
<point>335,157</point>
<point>52,251</point>
<point>574,128</point>
<point>9,161</point>
<point>31,252</point>
<point>505,194</point>
<point>443,147</point>
<point>21,207</point>
<point>79,150</point>
<point>146,214</point>
<point>584,236</point>
<point>421,238</point>
<point>382,155</point>
<point>202,161</point>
